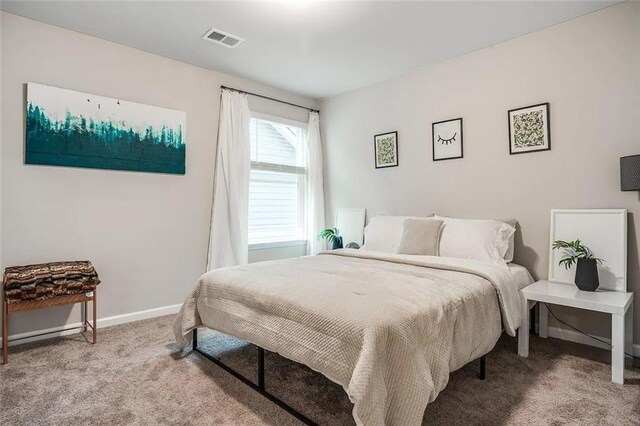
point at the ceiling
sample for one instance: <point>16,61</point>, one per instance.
<point>314,48</point>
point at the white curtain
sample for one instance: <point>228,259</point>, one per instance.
<point>316,185</point>
<point>228,240</point>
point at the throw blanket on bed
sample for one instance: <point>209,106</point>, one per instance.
<point>388,328</point>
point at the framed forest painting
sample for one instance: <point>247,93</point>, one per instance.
<point>69,128</point>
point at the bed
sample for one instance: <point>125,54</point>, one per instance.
<point>387,327</point>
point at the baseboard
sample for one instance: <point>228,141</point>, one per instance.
<point>574,336</point>
<point>67,329</point>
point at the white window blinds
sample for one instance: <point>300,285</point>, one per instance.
<point>278,183</point>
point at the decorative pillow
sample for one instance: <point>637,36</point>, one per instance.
<point>485,240</point>
<point>383,233</point>
<point>421,236</point>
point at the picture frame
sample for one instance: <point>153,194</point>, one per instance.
<point>447,139</point>
<point>602,230</point>
<point>68,128</point>
<point>350,222</point>
<point>529,129</point>
<point>385,146</point>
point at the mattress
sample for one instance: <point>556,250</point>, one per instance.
<point>388,328</point>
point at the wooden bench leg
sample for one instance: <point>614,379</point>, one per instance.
<point>5,332</point>
<point>95,315</point>
<point>84,316</point>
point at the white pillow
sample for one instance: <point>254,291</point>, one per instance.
<point>484,240</point>
<point>383,233</point>
<point>508,256</point>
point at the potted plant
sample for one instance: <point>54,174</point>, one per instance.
<point>332,236</point>
<point>576,253</point>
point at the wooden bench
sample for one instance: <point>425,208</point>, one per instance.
<point>10,306</point>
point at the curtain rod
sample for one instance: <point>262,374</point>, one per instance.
<point>266,97</point>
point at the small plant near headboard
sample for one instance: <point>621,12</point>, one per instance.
<point>332,236</point>
<point>576,253</point>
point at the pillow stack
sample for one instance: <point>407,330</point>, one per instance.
<point>477,239</point>
<point>488,240</point>
<point>384,233</point>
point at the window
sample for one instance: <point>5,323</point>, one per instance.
<point>278,183</point>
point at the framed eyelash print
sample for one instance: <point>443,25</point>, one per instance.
<point>386,149</point>
<point>447,139</point>
<point>529,129</point>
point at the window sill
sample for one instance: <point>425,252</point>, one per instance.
<point>277,244</point>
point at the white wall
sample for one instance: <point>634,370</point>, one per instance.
<point>587,68</point>
<point>147,234</point>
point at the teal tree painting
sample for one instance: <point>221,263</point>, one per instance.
<point>69,128</point>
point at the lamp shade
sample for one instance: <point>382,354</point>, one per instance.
<point>630,173</point>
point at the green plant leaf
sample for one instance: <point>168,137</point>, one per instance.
<point>329,234</point>
<point>572,251</point>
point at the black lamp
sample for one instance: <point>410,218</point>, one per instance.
<point>630,173</point>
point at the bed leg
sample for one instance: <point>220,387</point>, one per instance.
<point>260,387</point>
<point>483,367</point>
<point>195,338</point>
<point>261,368</point>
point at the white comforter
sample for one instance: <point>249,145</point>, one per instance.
<point>388,328</point>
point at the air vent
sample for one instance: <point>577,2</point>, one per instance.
<point>222,38</point>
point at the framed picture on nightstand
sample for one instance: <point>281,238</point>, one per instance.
<point>602,230</point>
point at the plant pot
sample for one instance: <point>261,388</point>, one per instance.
<point>587,275</point>
<point>337,243</point>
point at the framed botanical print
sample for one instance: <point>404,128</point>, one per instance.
<point>386,149</point>
<point>447,139</point>
<point>529,129</point>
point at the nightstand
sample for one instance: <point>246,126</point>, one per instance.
<point>618,304</point>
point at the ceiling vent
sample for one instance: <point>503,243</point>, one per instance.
<point>222,38</point>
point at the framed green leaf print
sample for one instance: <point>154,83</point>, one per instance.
<point>529,129</point>
<point>386,149</point>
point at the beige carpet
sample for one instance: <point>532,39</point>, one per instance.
<point>134,376</point>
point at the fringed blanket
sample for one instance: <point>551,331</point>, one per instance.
<point>46,280</point>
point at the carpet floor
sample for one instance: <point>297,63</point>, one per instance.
<point>134,375</point>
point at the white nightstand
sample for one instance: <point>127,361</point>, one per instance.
<point>618,304</point>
